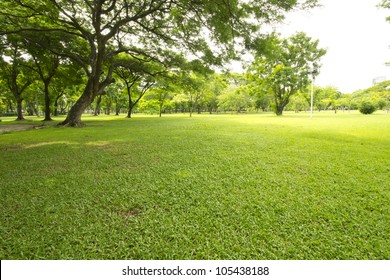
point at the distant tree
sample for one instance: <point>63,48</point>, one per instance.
<point>34,99</point>
<point>263,102</point>
<point>138,77</point>
<point>378,95</point>
<point>329,96</point>
<point>298,103</point>
<point>164,89</point>
<point>180,102</point>
<point>284,69</point>
<point>193,80</point>
<point>192,85</point>
<point>45,65</point>
<point>216,85</point>
<point>120,100</point>
<point>345,102</point>
<point>109,97</point>
<point>366,107</point>
<point>17,77</point>
<point>234,99</point>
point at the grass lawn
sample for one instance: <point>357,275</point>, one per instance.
<point>207,187</point>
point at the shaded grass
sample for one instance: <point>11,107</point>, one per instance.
<point>209,187</point>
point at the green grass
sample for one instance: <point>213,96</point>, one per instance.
<point>207,187</point>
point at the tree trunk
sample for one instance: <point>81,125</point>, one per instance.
<point>55,113</point>
<point>30,109</point>
<point>56,104</point>
<point>97,109</point>
<point>130,107</point>
<point>47,103</point>
<point>19,109</point>
<point>191,106</point>
<point>279,110</point>
<point>73,118</point>
<point>117,110</point>
<point>129,111</point>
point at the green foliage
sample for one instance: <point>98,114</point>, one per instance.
<point>378,95</point>
<point>366,107</point>
<point>234,99</point>
<point>94,34</point>
<point>324,98</point>
<point>284,70</point>
<point>211,187</point>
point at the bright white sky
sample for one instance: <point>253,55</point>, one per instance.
<point>356,35</point>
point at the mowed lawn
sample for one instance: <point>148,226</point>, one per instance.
<point>208,187</point>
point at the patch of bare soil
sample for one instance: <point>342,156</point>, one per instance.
<point>15,127</point>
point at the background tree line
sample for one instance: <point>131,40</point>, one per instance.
<point>213,93</point>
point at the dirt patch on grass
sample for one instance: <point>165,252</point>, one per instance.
<point>132,213</point>
<point>15,127</point>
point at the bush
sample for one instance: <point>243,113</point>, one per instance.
<point>366,107</point>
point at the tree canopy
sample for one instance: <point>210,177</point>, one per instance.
<point>94,33</point>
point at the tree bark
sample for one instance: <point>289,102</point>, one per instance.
<point>279,111</point>
<point>19,109</point>
<point>47,103</point>
<point>130,107</point>
<point>97,109</point>
<point>56,104</point>
<point>73,118</point>
<point>160,111</point>
<point>279,108</point>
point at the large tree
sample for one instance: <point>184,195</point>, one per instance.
<point>94,32</point>
<point>284,68</point>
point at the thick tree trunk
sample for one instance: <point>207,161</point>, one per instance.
<point>73,118</point>
<point>19,110</point>
<point>47,103</point>
<point>279,110</point>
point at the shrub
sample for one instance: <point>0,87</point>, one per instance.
<point>367,107</point>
